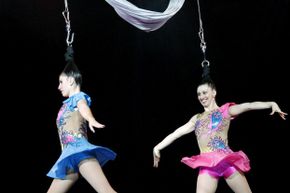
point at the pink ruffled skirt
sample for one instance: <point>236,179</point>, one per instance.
<point>238,159</point>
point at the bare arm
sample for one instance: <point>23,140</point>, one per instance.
<point>184,129</point>
<point>87,114</point>
<point>249,106</point>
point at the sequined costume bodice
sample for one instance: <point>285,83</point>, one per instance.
<point>72,130</point>
<point>211,129</point>
<point>71,125</point>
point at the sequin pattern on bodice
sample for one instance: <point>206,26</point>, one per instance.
<point>71,125</point>
<point>211,129</point>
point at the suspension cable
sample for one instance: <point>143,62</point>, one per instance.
<point>69,37</point>
<point>201,37</point>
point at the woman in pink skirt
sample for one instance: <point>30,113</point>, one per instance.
<point>216,158</point>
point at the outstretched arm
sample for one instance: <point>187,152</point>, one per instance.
<point>184,129</point>
<point>87,114</point>
<point>244,107</point>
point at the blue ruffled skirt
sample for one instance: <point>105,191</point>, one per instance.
<point>74,153</point>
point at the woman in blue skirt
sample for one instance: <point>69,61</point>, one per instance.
<point>78,157</point>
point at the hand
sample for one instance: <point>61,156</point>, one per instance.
<point>276,108</point>
<point>93,123</point>
<point>156,157</point>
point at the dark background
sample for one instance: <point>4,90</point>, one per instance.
<point>143,86</point>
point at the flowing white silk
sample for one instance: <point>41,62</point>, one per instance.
<point>143,19</point>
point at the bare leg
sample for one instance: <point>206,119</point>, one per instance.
<point>62,186</point>
<point>206,183</point>
<point>238,183</point>
<point>91,170</point>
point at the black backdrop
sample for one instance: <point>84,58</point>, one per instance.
<point>143,86</point>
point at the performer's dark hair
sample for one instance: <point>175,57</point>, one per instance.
<point>71,69</point>
<point>206,78</point>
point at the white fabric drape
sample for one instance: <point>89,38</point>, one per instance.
<point>143,19</point>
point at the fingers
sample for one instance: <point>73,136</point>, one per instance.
<point>92,128</point>
<point>100,126</point>
<point>283,115</point>
<point>156,158</point>
<point>155,165</point>
<point>156,161</point>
